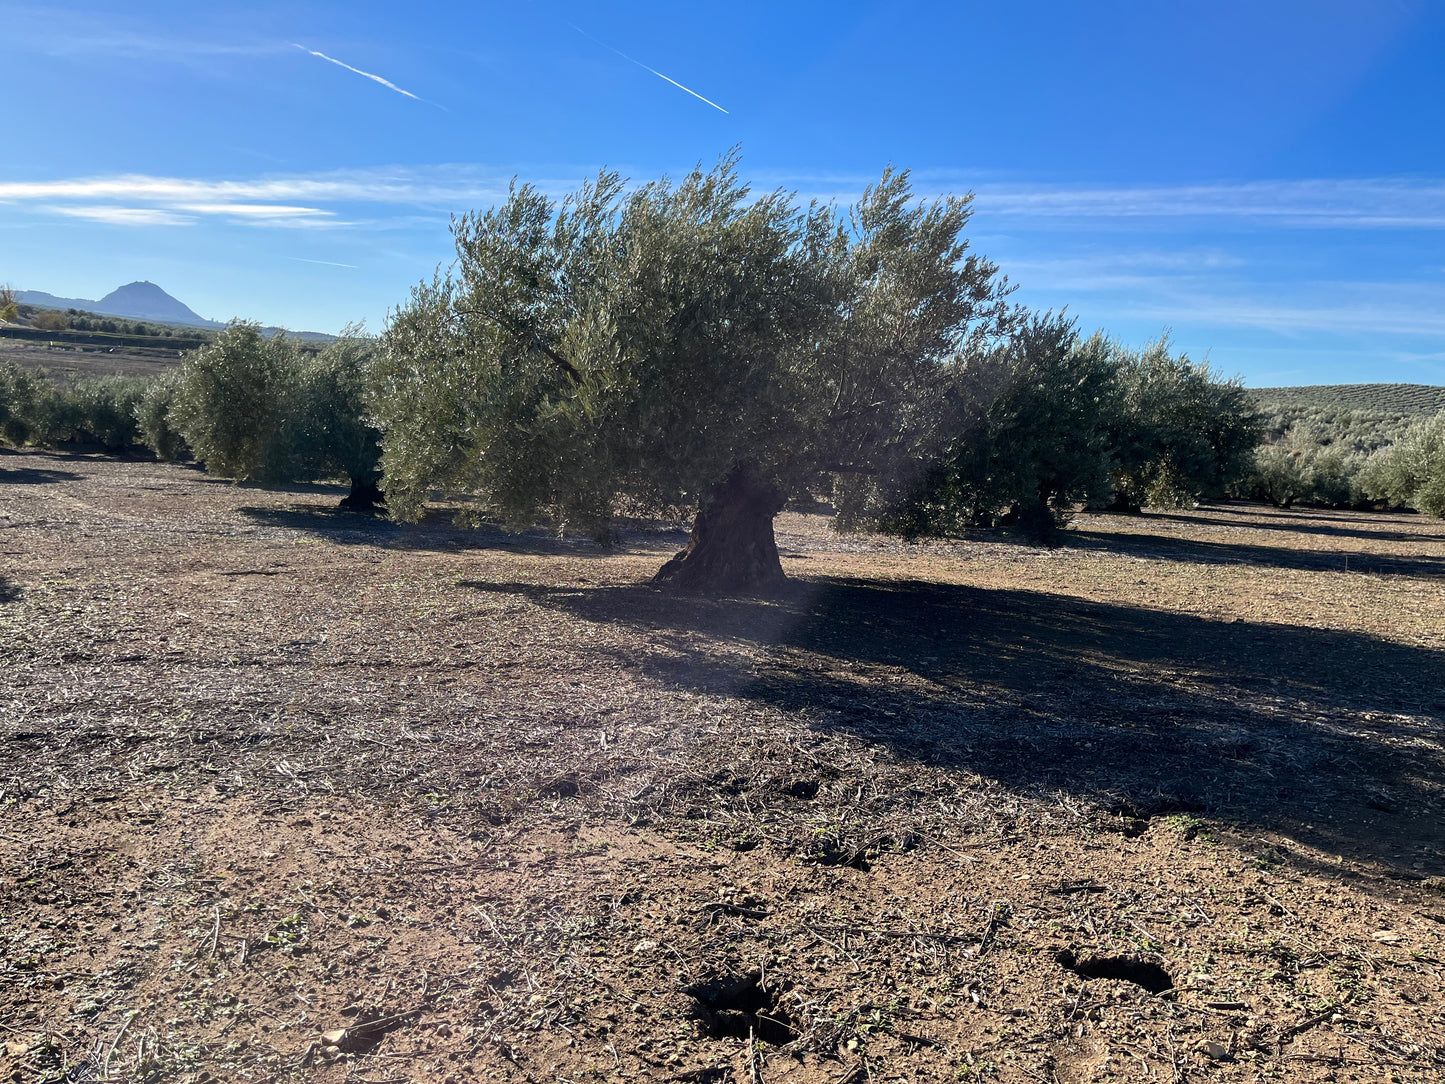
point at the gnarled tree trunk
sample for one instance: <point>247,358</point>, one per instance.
<point>732,550</point>
<point>365,495</point>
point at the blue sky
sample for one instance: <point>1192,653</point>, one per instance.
<point>1265,179</point>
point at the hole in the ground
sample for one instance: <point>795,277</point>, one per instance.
<point>807,789</point>
<point>736,1006</point>
<point>566,785</point>
<point>830,853</point>
<point>1150,976</point>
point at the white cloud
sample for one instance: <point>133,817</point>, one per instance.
<point>1378,203</point>
<point>267,214</point>
<point>52,31</point>
<point>1329,204</point>
<point>181,213</point>
<point>123,216</point>
<point>1292,318</point>
<point>1363,203</point>
<point>439,185</point>
<point>253,210</point>
<point>1104,271</point>
<point>1129,275</point>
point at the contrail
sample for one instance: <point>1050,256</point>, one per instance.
<point>326,263</point>
<point>374,78</point>
<point>639,63</point>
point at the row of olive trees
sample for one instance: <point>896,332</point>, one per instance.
<point>1053,421</point>
<point>246,406</point>
<point>101,410</point>
<point>692,345</point>
<point>1356,459</point>
<point>1323,456</point>
<point>262,409</point>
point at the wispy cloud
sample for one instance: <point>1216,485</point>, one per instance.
<point>1356,203</point>
<point>1119,270</point>
<point>123,216</point>
<point>646,68</point>
<point>434,186</point>
<point>50,30</point>
<point>1325,204</point>
<point>135,45</point>
<point>367,75</point>
<point>255,211</point>
<point>1124,273</point>
<point>1384,203</point>
<point>1280,315</point>
<point>1207,289</point>
<point>176,213</point>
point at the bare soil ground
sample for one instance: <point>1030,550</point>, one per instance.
<point>295,795</point>
<point>69,362</point>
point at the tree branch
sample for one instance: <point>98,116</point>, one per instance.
<point>517,329</point>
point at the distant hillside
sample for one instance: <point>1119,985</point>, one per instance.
<point>147,301</point>
<point>1419,399</point>
<point>136,300</point>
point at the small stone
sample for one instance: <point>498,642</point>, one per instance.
<point>334,1038</point>
<point>1217,1051</point>
<point>1388,936</point>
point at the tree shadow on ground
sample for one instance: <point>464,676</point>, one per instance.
<point>1171,548</point>
<point>35,476</point>
<point>1333,738</point>
<point>438,533</point>
<point>321,489</point>
<point>1298,520</point>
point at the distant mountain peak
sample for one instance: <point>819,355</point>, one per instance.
<point>145,300</point>
<point>142,300</point>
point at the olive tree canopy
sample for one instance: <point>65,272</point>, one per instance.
<point>681,345</point>
<point>260,408</point>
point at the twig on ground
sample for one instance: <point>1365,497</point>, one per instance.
<point>110,1050</point>
<point>215,932</point>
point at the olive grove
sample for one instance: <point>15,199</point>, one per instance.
<point>697,346</point>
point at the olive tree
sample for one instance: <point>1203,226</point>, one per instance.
<point>1026,420</point>
<point>258,408</point>
<point>1180,432</point>
<point>231,400</point>
<point>155,415</point>
<point>1412,473</point>
<point>21,392</point>
<point>325,428</point>
<point>688,345</point>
